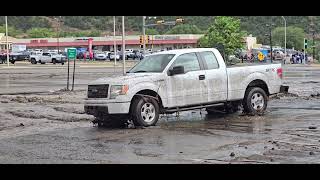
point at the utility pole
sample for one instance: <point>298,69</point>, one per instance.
<point>123,47</point>
<point>270,38</point>
<point>114,41</point>
<point>312,30</point>
<point>313,46</point>
<point>7,44</point>
<point>58,34</point>
<point>144,33</point>
<point>285,36</point>
<point>271,43</point>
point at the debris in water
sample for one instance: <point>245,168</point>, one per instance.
<point>21,124</point>
<point>272,148</point>
<point>311,153</point>
<point>232,154</point>
<point>312,127</point>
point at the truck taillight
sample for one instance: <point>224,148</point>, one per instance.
<point>279,72</point>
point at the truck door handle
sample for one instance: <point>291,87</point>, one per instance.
<point>202,77</point>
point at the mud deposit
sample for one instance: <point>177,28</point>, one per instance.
<point>53,128</point>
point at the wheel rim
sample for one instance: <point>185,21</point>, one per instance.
<point>148,112</point>
<point>257,101</point>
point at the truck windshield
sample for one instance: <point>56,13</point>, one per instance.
<point>152,63</point>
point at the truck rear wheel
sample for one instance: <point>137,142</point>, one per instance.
<point>255,101</point>
<point>145,111</point>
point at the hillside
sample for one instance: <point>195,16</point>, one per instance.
<point>254,25</point>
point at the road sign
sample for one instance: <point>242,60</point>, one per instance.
<point>261,56</point>
<point>72,53</point>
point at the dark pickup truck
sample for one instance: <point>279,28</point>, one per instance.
<point>13,57</point>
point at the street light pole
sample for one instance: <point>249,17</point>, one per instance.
<point>285,36</point>
<point>58,35</point>
<point>144,33</point>
<point>114,41</point>
<point>313,46</point>
<point>123,47</point>
<point>270,38</point>
<point>7,44</point>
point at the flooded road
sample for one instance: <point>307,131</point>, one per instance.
<point>52,128</point>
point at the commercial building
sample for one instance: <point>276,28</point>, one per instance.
<point>156,42</point>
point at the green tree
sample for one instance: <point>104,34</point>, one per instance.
<point>295,37</point>
<point>11,31</point>
<point>152,32</point>
<point>185,29</point>
<point>41,33</point>
<point>224,31</point>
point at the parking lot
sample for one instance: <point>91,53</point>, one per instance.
<point>43,123</point>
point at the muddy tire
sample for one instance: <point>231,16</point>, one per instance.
<point>54,61</point>
<point>255,101</point>
<point>145,111</point>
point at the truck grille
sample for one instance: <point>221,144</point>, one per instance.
<point>98,91</point>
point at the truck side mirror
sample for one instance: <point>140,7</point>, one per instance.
<point>176,70</point>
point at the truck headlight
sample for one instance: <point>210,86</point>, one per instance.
<point>118,90</point>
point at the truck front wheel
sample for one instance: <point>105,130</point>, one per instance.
<point>255,101</point>
<point>145,111</point>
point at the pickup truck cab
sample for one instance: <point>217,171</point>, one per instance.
<point>180,80</point>
<point>47,58</point>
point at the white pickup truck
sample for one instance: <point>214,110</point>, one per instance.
<point>47,57</point>
<point>179,80</point>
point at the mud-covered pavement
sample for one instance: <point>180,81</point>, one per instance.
<point>51,127</point>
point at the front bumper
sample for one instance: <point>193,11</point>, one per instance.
<point>95,107</point>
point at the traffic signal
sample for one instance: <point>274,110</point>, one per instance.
<point>305,43</point>
<point>179,20</point>
<point>141,39</point>
<point>160,22</point>
<point>148,39</point>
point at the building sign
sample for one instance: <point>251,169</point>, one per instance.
<point>18,48</point>
<point>166,37</point>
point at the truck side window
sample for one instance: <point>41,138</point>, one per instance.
<point>189,61</point>
<point>210,59</point>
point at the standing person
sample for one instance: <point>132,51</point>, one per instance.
<point>302,56</point>
<point>85,55</point>
<point>91,55</point>
<point>297,57</point>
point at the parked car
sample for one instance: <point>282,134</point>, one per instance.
<point>181,80</point>
<point>100,56</point>
<point>112,56</point>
